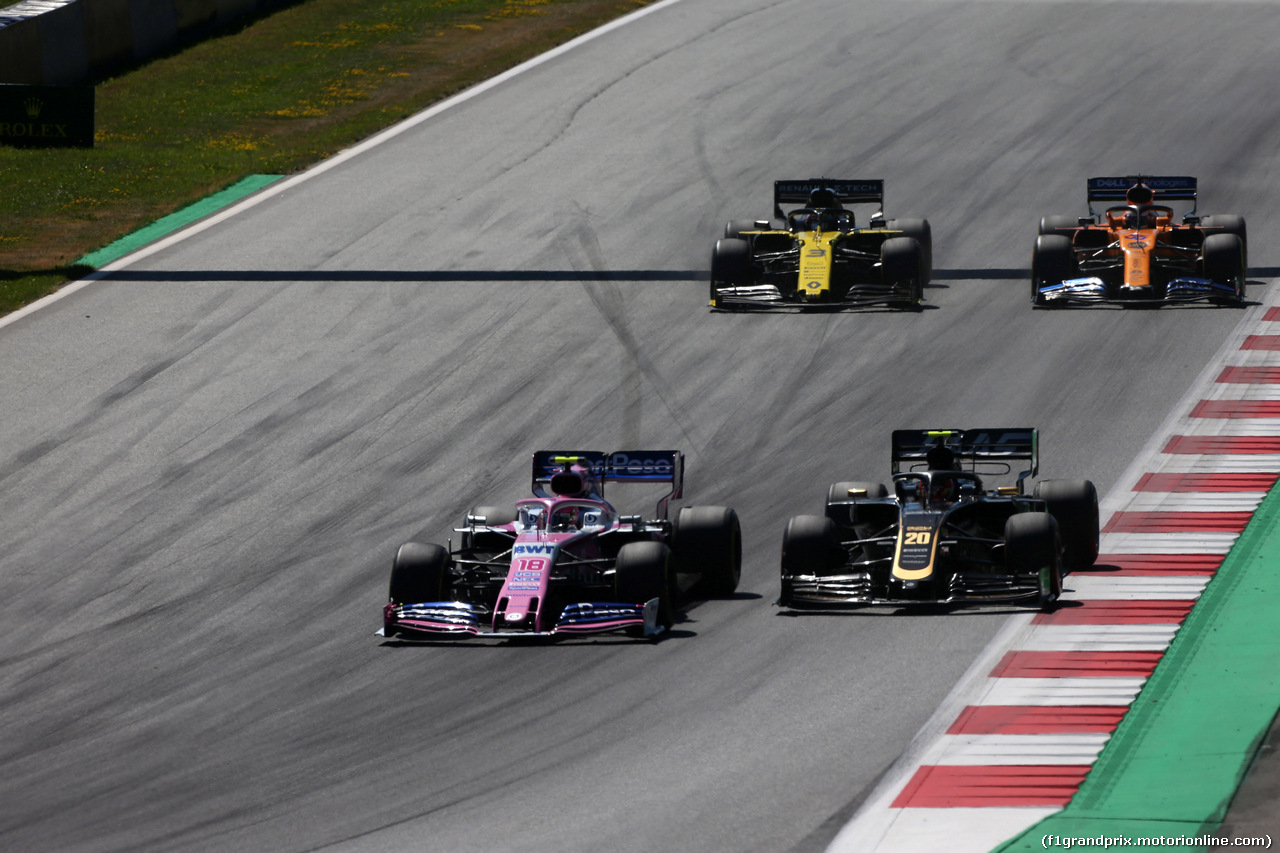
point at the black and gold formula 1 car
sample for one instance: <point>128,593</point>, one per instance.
<point>937,535</point>
<point>1135,251</point>
<point>817,256</point>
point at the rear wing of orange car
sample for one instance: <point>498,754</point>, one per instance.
<point>846,191</point>
<point>1163,188</point>
<point>992,450</point>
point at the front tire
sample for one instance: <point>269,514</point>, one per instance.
<point>1052,262</point>
<point>922,231</point>
<point>707,541</point>
<point>1222,261</point>
<point>642,573</point>
<point>1231,224</point>
<point>730,265</point>
<point>417,576</point>
<point>809,547</point>
<point>1033,549</point>
<point>1074,504</point>
<point>902,262</point>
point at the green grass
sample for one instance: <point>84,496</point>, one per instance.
<point>274,97</point>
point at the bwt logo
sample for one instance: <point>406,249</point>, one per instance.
<point>621,463</point>
<point>531,548</point>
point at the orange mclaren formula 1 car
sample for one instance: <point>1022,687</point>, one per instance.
<point>817,256</point>
<point>1135,250</point>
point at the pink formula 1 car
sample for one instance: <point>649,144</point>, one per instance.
<point>565,561</point>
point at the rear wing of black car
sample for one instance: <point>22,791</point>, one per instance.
<point>970,449</point>
<point>620,466</point>
<point>847,192</point>
<point>1163,188</point>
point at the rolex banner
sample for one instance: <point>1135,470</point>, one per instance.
<point>46,116</point>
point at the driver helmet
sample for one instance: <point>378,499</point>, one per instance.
<point>836,220</point>
<point>1139,194</point>
<point>941,458</point>
<point>804,220</point>
<point>566,518</point>
<point>823,197</point>
<point>942,489</point>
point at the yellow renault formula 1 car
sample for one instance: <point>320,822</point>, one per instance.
<point>817,256</point>
<point>1134,251</point>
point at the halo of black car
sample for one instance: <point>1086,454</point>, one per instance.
<point>1135,251</point>
<point>566,562</point>
<point>937,535</point>
<point>816,255</point>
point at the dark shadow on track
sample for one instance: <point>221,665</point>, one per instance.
<point>406,275</point>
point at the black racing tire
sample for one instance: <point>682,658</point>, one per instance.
<point>847,514</point>
<point>1051,224</point>
<point>809,546</point>
<point>1230,224</point>
<point>923,232</point>
<point>642,573</point>
<point>1222,261</point>
<point>734,227</point>
<point>707,541</point>
<point>494,516</point>
<point>901,260</point>
<point>418,573</point>
<point>1052,262</point>
<point>1032,548</point>
<point>730,264</point>
<point>1074,504</point>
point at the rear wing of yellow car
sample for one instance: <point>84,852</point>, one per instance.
<point>846,191</point>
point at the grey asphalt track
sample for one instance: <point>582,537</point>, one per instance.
<point>208,459</point>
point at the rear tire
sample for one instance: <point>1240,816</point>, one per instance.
<point>734,227</point>
<point>642,573</point>
<point>1052,262</point>
<point>901,261</point>
<point>494,516</point>
<point>707,540</point>
<point>1032,548</point>
<point>417,576</point>
<point>847,515</point>
<point>1074,504</point>
<point>1222,261</point>
<point>1051,224</point>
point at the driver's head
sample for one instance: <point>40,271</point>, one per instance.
<point>942,489</point>
<point>805,221</point>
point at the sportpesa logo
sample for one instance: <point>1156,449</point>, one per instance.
<point>641,466</point>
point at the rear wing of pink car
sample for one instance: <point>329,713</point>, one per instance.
<point>619,466</point>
